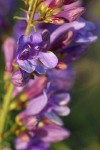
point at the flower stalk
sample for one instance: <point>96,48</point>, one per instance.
<point>31,12</point>
<point>5,109</point>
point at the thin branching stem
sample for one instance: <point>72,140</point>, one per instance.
<point>31,12</point>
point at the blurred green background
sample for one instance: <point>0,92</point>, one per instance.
<point>84,120</point>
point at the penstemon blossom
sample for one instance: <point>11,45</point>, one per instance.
<point>39,73</point>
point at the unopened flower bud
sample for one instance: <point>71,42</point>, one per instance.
<point>20,78</point>
<point>9,48</point>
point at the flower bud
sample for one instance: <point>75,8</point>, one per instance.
<point>9,48</point>
<point>20,78</point>
<point>53,3</point>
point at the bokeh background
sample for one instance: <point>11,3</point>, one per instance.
<point>84,120</point>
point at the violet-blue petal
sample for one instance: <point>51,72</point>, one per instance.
<point>74,52</point>
<point>37,38</point>
<point>64,29</point>
<point>39,146</point>
<point>27,65</point>
<point>19,28</point>
<point>46,39</point>
<point>61,80</point>
<point>48,59</point>
<point>87,39</point>
<point>54,118</point>
<point>41,69</point>
<point>36,105</point>
<point>23,40</point>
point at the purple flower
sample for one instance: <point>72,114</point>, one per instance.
<point>41,116</point>
<point>70,41</point>
<point>63,36</point>
<point>39,104</point>
<point>68,11</point>
<point>20,78</point>
<point>79,37</point>
<point>85,35</point>
<point>31,115</point>
<point>42,107</point>
<point>33,54</point>
<point>40,83</point>
<point>24,142</point>
<point>41,137</point>
<point>74,52</point>
<point>54,101</point>
<point>9,49</point>
<point>54,133</point>
<point>57,106</point>
<point>61,80</point>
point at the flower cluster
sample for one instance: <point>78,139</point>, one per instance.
<point>60,11</point>
<point>45,50</point>
<point>40,119</point>
<point>39,65</point>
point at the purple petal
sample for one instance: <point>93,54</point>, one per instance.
<point>62,80</point>
<point>9,49</point>
<point>23,40</point>
<point>21,145</point>
<point>36,105</point>
<point>63,98</point>
<point>20,78</point>
<point>46,39</point>
<point>71,14</point>
<point>54,133</point>
<point>62,110</point>
<point>49,59</point>
<point>40,146</point>
<point>37,39</point>
<point>27,65</point>
<point>41,69</point>
<point>71,3</point>
<point>54,118</point>
<point>64,29</point>
<point>87,39</point>
<point>74,52</point>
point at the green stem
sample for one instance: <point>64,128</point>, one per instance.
<point>5,110</point>
<point>33,9</point>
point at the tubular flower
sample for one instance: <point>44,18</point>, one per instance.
<point>41,137</point>
<point>71,41</point>
<point>20,78</point>
<point>33,54</point>
<point>68,42</point>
